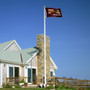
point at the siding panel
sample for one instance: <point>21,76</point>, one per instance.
<point>0,74</point>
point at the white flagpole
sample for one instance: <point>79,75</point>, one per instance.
<point>45,44</point>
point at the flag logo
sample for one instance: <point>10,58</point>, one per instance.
<point>53,12</point>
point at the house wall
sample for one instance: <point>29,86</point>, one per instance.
<point>32,62</point>
<point>12,47</point>
<point>0,74</point>
<point>4,72</point>
<point>21,71</point>
<point>52,68</point>
<point>12,65</point>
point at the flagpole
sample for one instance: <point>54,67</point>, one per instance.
<point>44,45</point>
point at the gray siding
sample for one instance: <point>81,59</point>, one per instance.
<point>4,73</point>
<point>13,47</point>
<point>0,74</point>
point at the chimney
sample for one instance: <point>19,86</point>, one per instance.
<point>40,56</point>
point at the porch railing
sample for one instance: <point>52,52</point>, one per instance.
<point>72,82</point>
<point>64,81</point>
<point>50,80</point>
<point>16,80</point>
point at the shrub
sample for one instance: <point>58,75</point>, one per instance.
<point>50,87</point>
<point>8,86</point>
<point>17,86</point>
<point>57,86</point>
<point>4,86</point>
<point>25,83</point>
<point>22,81</point>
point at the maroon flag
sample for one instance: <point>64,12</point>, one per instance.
<point>53,12</point>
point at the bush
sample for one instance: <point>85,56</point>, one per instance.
<point>57,86</point>
<point>4,86</point>
<point>61,87</point>
<point>22,81</point>
<point>50,87</point>
<point>25,83</point>
<point>8,86</point>
<point>17,86</point>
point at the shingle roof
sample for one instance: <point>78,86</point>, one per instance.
<point>3,45</point>
<point>14,56</point>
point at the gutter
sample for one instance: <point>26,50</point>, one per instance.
<point>10,62</point>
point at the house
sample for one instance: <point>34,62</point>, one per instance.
<point>25,63</point>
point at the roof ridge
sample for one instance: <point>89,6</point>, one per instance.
<point>30,48</point>
<point>7,41</point>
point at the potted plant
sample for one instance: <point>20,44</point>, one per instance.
<point>25,84</point>
<point>21,82</point>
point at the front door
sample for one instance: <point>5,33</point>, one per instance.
<point>33,75</point>
<point>16,71</point>
<point>16,75</point>
<point>29,75</point>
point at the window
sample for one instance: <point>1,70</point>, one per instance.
<point>51,74</point>
<point>10,71</point>
<point>13,71</point>
<point>29,75</point>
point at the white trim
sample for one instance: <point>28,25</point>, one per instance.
<point>13,69</point>
<point>11,44</point>
<point>31,57</point>
<point>31,67</point>
<point>1,74</point>
<point>17,44</point>
<point>52,70</point>
<point>26,71</point>
<point>53,63</point>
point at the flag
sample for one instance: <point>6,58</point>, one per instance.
<point>53,12</point>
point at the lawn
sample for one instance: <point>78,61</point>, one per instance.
<point>37,89</point>
<point>21,89</point>
<point>30,89</point>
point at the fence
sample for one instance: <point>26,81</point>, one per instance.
<point>64,81</point>
<point>71,82</point>
<point>16,80</point>
<point>51,80</point>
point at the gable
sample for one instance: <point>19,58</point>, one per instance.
<point>13,46</point>
<point>3,45</point>
<point>52,64</point>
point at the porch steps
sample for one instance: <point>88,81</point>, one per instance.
<point>32,86</point>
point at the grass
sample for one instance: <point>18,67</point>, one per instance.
<point>23,89</point>
<point>37,89</point>
<point>29,89</point>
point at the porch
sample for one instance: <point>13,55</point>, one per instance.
<point>50,81</point>
<point>37,81</point>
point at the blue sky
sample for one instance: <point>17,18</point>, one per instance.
<point>22,20</point>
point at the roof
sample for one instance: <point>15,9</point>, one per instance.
<point>3,45</point>
<point>14,56</point>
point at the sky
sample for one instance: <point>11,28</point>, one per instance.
<point>22,20</point>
